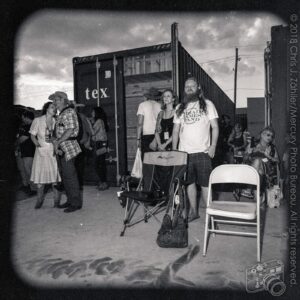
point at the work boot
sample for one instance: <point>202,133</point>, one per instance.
<point>57,197</point>
<point>40,198</point>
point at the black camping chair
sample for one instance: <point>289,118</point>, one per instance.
<point>163,173</point>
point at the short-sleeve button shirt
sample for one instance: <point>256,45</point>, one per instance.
<point>67,119</point>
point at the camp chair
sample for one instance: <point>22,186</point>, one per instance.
<point>162,174</point>
<point>269,180</point>
<point>231,212</point>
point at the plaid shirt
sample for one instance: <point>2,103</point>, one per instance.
<point>68,119</point>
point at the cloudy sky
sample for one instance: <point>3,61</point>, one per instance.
<point>49,39</point>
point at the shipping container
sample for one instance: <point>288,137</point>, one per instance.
<point>117,81</point>
<point>277,91</point>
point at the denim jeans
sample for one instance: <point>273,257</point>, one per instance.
<point>79,164</point>
<point>100,166</point>
<point>70,181</point>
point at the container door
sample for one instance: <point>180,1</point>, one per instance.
<point>102,84</point>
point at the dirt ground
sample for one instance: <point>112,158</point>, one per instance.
<point>85,249</point>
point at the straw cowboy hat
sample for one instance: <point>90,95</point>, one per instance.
<point>152,94</point>
<point>63,95</point>
<point>59,94</point>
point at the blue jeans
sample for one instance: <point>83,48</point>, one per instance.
<point>70,181</point>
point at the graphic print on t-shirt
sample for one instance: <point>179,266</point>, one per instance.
<point>193,114</point>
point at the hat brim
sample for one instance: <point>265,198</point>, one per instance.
<point>51,97</point>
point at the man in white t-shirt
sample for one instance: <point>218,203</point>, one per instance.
<point>147,114</point>
<point>196,128</point>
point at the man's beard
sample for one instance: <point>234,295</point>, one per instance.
<point>191,97</point>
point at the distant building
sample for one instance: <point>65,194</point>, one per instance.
<point>256,113</point>
<point>241,116</point>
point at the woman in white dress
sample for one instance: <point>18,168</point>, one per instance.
<point>44,167</point>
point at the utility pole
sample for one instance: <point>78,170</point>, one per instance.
<point>97,76</point>
<point>235,80</point>
<point>174,51</point>
<point>268,95</point>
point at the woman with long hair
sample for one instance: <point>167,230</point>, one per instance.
<point>44,167</point>
<point>100,146</point>
<point>164,124</point>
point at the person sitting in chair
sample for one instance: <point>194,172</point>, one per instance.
<point>263,157</point>
<point>237,143</point>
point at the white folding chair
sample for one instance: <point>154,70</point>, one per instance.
<point>231,212</point>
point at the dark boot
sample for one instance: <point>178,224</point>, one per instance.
<point>102,186</point>
<point>99,187</point>
<point>57,196</point>
<point>40,197</point>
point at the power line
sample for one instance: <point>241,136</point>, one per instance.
<point>250,89</point>
<point>229,58</point>
<point>251,55</point>
<point>213,50</point>
<point>226,60</point>
<point>254,57</point>
<point>254,45</point>
<point>218,59</point>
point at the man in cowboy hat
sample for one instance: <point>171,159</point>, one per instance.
<point>83,138</point>
<point>67,148</point>
<point>147,114</point>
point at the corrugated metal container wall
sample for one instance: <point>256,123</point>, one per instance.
<point>86,92</point>
<point>134,96</point>
<point>189,67</point>
<point>143,70</point>
<point>279,87</point>
<point>137,70</point>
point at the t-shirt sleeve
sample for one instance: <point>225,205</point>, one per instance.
<point>140,110</point>
<point>176,119</point>
<point>34,127</point>
<point>211,111</point>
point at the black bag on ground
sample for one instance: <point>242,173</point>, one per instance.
<point>173,233</point>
